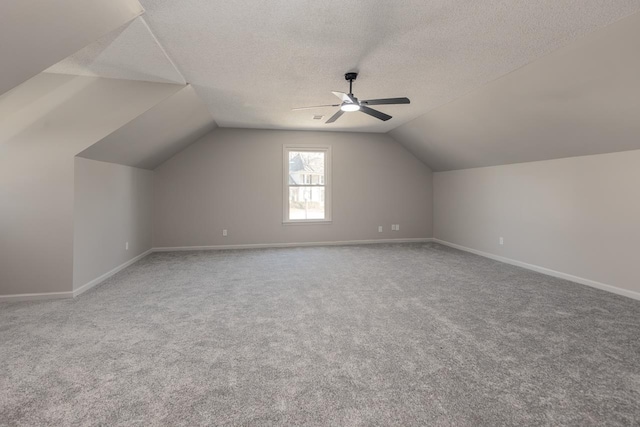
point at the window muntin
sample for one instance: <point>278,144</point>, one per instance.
<point>307,177</point>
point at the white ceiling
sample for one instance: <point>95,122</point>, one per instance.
<point>71,112</point>
<point>491,82</point>
<point>35,34</point>
<point>581,99</point>
<point>251,62</point>
<point>156,135</point>
<point>130,52</point>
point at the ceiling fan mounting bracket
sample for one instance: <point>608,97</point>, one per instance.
<point>350,76</point>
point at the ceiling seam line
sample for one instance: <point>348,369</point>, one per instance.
<point>164,52</point>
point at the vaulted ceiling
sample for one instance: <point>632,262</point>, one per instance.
<point>157,134</point>
<point>251,62</point>
<point>490,82</point>
<point>581,99</point>
<point>130,52</point>
<point>93,44</point>
<point>37,34</point>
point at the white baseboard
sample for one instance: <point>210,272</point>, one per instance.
<point>543,270</point>
<point>290,245</point>
<point>98,280</point>
<point>108,274</point>
<point>35,297</point>
<point>102,278</point>
<point>75,293</point>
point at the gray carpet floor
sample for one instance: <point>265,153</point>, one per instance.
<point>378,335</point>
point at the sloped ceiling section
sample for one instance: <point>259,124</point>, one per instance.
<point>130,52</point>
<point>252,64</point>
<point>36,34</point>
<point>156,135</point>
<point>74,108</point>
<point>582,99</point>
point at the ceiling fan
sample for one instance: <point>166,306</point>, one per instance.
<point>351,103</point>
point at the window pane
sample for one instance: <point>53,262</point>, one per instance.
<point>306,167</point>
<point>306,202</point>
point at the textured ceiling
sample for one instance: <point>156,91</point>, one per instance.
<point>130,52</point>
<point>490,82</point>
<point>158,134</point>
<point>71,111</point>
<point>581,99</point>
<point>252,63</point>
<point>35,34</point>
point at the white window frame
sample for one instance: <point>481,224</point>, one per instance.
<point>286,148</point>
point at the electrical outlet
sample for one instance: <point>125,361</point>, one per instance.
<point>224,232</point>
<point>379,229</point>
<point>502,240</point>
<point>126,246</point>
<point>397,227</point>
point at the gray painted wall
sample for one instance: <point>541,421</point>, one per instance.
<point>232,179</point>
<point>577,215</point>
<point>112,205</point>
<point>44,123</point>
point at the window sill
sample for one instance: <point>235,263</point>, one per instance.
<point>307,222</point>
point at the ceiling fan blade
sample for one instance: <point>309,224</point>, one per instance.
<point>375,113</point>
<point>345,97</point>
<point>386,101</point>
<point>315,106</point>
<point>335,117</point>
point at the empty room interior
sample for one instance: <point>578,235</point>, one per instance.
<point>334,213</point>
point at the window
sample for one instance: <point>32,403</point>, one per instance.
<point>307,184</point>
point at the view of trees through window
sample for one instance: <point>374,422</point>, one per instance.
<point>306,185</point>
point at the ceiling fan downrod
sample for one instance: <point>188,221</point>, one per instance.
<point>351,77</point>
